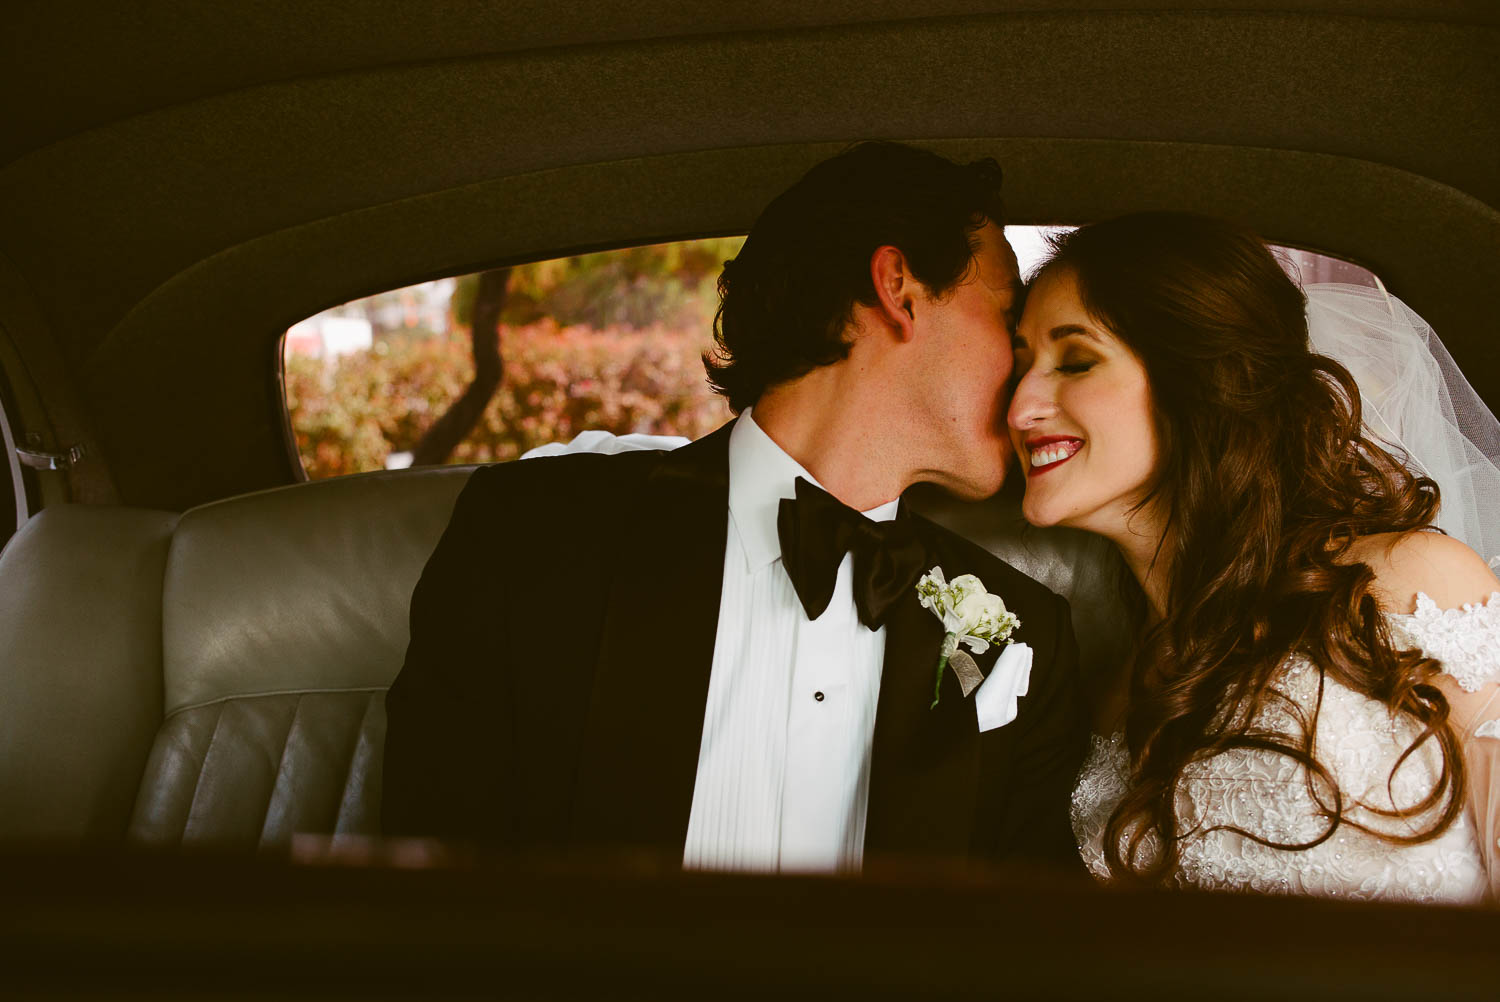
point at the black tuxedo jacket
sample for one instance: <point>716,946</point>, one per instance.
<point>562,635</point>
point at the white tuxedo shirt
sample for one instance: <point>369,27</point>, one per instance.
<point>784,765</point>
<point>783,776</point>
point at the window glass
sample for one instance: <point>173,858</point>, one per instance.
<point>1309,266</point>
<point>609,341</point>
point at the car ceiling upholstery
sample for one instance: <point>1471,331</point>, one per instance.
<point>179,182</point>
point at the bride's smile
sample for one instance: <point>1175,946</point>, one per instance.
<point>1081,417</point>
<point>1047,452</point>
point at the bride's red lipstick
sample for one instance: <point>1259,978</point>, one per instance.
<point>1067,445</point>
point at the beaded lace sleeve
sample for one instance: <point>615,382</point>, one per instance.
<point>1467,642</point>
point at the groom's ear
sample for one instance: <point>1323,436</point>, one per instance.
<point>895,289</point>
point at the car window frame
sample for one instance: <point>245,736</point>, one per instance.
<point>21,502</point>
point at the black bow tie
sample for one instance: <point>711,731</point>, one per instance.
<point>816,531</point>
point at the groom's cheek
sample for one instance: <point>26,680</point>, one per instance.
<point>1011,472</point>
<point>1006,395</point>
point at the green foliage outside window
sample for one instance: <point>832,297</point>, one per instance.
<point>673,285</point>
<point>611,340</point>
<point>350,415</point>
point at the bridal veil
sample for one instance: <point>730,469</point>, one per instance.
<point>1417,402</point>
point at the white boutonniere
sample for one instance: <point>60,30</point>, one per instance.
<point>971,616</point>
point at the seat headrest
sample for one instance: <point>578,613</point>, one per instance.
<point>300,588</point>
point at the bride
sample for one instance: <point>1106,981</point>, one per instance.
<point>1311,706</point>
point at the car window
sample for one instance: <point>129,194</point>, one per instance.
<point>609,341</point>
<point>1309,266</point>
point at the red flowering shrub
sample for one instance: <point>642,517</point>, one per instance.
<point>349,414</point>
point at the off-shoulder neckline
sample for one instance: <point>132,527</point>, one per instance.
<point>1427,609</point>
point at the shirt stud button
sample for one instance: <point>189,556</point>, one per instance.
<point>818,696</point>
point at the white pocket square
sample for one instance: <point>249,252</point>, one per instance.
<point>996,701</point>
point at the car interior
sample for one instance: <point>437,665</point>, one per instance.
<point>198,639</point>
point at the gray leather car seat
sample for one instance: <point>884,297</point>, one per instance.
<point>81,672</point>
<point>217,678</point>
<point>213,678</point>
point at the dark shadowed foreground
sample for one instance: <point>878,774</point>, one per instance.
<point>207,926</point>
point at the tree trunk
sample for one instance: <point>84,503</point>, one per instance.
<point>484,333</point>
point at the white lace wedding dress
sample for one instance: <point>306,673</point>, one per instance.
<point>1357,740</point>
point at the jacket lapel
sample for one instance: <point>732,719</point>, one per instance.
<point>639,757</point>
<point>924,768</point>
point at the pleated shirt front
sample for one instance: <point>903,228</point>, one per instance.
<point>784,765</point>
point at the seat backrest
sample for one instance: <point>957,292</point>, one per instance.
<point>214,678</point>
<point>284,620</point>
<point>80,675</point>
<point>218,678</point>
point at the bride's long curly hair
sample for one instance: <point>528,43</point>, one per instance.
<point>1266,477</point>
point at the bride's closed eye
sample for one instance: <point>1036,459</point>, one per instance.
<point>1075,362</point>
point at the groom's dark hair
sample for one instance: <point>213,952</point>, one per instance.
<point>787,298</point>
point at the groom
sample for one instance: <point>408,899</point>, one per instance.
<point>718,652</point>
